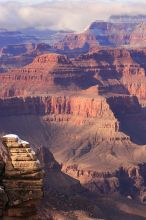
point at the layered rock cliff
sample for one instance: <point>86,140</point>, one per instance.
<point>74,109</point>
<point>22,178</point>
<point>116,71</point>
<point>45,73</point>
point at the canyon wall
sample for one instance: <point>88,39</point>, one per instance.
<point>71,108</point>
<point>57,105</point>
<point>118,71</point>
<point>47,72</point>
<point>111,71</point>
<point>78,110</point>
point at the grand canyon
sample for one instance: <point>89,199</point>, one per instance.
<point>73,122</point>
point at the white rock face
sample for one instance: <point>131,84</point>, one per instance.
<point>11,137</point>
<point>14,137</point>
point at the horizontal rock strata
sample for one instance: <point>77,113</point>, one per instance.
<point>22,178</point>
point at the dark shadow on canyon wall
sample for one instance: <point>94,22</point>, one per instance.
<point>132,119</point>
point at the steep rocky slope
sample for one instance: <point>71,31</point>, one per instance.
<point>98,34</point>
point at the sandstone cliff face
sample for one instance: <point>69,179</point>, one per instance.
<point>22,178</point>
<point>78,110</point>
<point>136,86</point>
<point>120,61</point>
<point>135,82</point>
<point>138,36</point>
<point>118,71</point>
<point>112,71</point>
<point>64,109</point>
<point>71,108</point>
<point>45,73</point>
<point>112,68</point>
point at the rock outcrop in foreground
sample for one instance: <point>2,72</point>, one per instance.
<point>22,179</point>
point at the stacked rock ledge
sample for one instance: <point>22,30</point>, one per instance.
<point>22,178</point>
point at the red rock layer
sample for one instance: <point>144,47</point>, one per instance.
<point>56,105</point>
<point>114,71</point>
<point>118,70</point>
<point>50,71</point>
